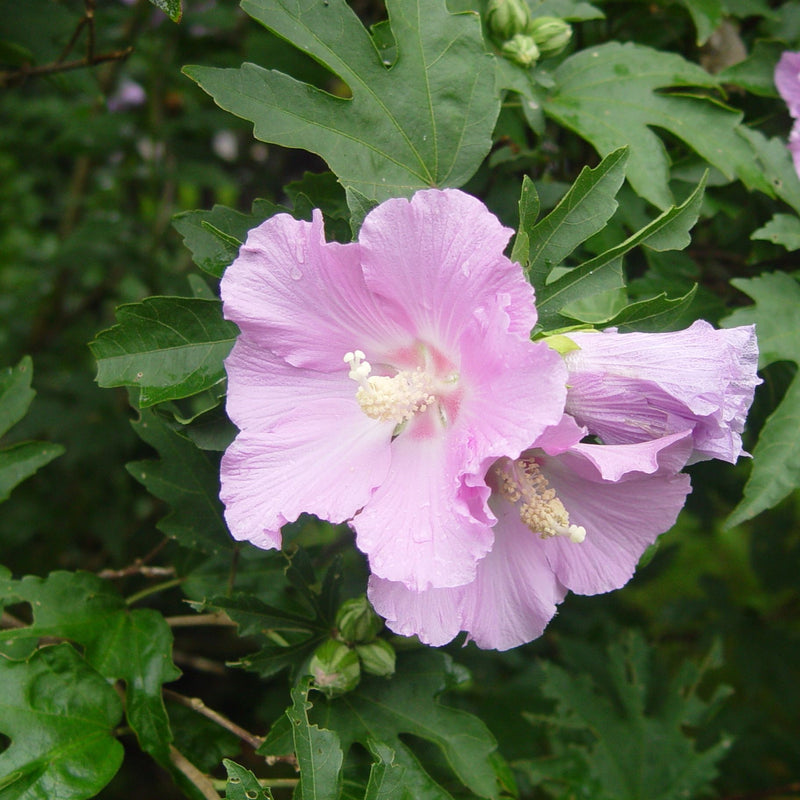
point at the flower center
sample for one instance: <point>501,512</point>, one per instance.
<point>390,399</point>
<point>521,482</point>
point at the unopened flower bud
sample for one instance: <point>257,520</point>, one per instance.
<point>377,658</point>
<point>356,621</point>
<point>335,668</point>
<point>507,18</point>
<point>551,35</point>
<point>521,49</point>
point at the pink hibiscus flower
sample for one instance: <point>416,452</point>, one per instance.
<point>570,516</point>
<point>787,81</point>
<point>632,387</point>
<point>375,382</point>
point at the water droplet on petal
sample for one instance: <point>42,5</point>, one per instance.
<point>296,274</point>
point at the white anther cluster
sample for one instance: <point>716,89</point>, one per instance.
<point>521,482</point>
<point>390,399</point>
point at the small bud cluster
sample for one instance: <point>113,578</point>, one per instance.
<point>337,663</point>
<point>522,39</point>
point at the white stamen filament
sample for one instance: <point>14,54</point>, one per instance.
<point>521,482</point>
<point>390,399</point>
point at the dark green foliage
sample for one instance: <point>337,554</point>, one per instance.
<point>59,715</point>
<point>20,460</point>
<point>621,731</point>
<point>242,784</point>
<point>185,478</point>
<point>426,121</point>
<point>133,646</point>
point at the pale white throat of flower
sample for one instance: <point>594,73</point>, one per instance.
<point>390,399</point>
<point>521,482</point>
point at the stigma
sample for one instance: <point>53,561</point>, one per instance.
<point>395,398</point>
<point>522,483</point>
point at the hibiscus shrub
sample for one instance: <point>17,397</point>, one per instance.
<point>487,311</point>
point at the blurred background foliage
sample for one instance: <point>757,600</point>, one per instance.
<point>94,163</point>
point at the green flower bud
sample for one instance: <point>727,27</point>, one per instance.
<point>551,35</point>
<point>335,668</point>
<point>377,658</point>
<point>506,18</point>
<point>356,621</point>
<point>521,49</point>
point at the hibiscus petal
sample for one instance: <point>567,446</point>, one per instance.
<point>444,245</point>
<point>513,597</point>
<point>306,446</point>
<point>787,81</point>
<point>417,528</point>
<point>263,387</point>
<point>623,510</point>
<point>434,615</point>
<point>630,387</point>
<point>304,298</point>
<point>515,592</point>
<point>511,400</point>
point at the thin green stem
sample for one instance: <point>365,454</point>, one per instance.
<point>159,587</point>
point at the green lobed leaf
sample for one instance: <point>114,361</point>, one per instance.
<point>288,633</point>
<point>756,73</point>
<point>319,754</point>
<point>381,710</point>
<point>322,191</point>
<point>652,316</point>
<point>242,784</point>
<point>639,747</point>
<point>187,480</point>
<point>583,211</point>
<point>214,237</point>
<point>775,162</point>
<point>609,95</point>
<point>60,716</point>
<point>706,16</point>
<point>168,347</point>
<point>21,460</point>
<point>529,206</point>
<point>776,456</point>
<point>134,646</point>
<point>16,393</point>
<point>570,10</point>
<point>255,617</point>
<point>386,776</point>
<point>669,231</point>
<point>425,119</point>
<point>783,229</point>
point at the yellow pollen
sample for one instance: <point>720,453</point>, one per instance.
<point>390,399</point>
<point>521,482</point>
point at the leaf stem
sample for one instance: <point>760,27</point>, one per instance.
<point>138,567</point>
<point>269,783</point>
<point>198,663</point>
<point>201,781</point>
<point>196,704</point>
<point>190,620</point>
<point>159,587</point>
<point>14,77</point>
